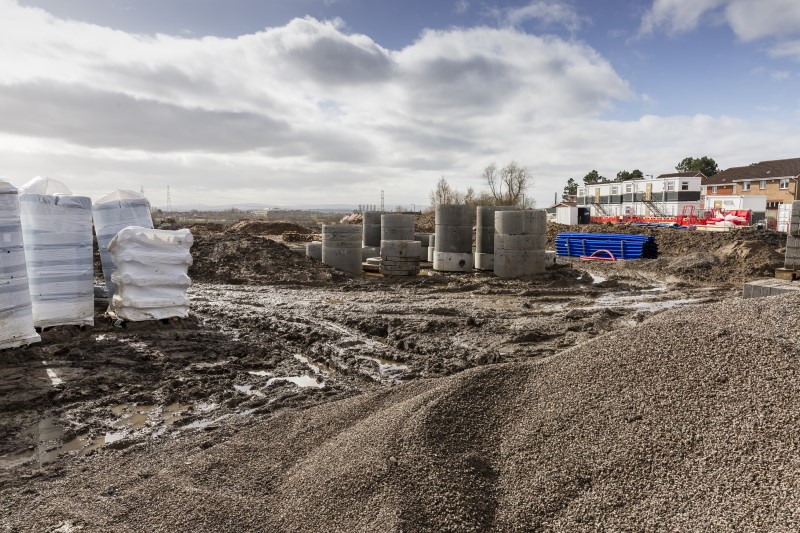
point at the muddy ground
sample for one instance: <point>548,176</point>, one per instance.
<point>272,331</point>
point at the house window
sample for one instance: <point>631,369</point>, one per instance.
<point>581,192</point>
<point>784,183</point>
<point>629,188</point>
<point>713,189</point>
<point>762,184</point>
<point>684,185</point>
<point>670,186</point>
<point>614,189</point>
<point>745,185</point>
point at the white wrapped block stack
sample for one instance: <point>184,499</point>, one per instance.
<point>112,213</point>
<point>16,316</point>
<point>151,273</point>
<point>57,232</point>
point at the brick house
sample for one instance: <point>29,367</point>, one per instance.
<point>777,180</point>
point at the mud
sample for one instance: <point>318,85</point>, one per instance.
<point>274,332</point>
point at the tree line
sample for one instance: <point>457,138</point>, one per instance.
<point>505,186</point>
<point>704,164</point>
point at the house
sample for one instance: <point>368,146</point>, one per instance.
<point>662,197</point>
<point>777,180</point>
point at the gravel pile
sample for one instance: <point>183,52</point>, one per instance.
<point>685,422</point>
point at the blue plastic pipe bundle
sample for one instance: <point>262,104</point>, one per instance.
<point>622,245</point>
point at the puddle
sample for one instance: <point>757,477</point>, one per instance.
<point>633,301</point>
<point>100,337</point>
<point>300,381</point>
<point>388,368</point>
<point>54,379</point>
<point>248,389</point>
<point>596,278</point>
<point>199,424</point>
<point>133,416</point>
<point>318,368</point>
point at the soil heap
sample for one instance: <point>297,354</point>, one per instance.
<point>262,227</point>
<point>731,256</point>
<point>664,426</point>
<point>236,258</point>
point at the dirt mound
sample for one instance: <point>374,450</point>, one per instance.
<point>738,256</point>
<point>239,258</point>
<point>263,227</point>
<point>426,222</point>
<point>205,228</point>
<point>693,433</point>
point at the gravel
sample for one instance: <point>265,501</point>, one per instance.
<point>684,422</point>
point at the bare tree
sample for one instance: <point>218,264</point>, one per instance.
<point>509,185</point>
<point>445,194</point>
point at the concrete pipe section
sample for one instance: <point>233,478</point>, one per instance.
<point>341,247</point>
<point>431,247</point>
<point>519,243</point>
<point>372,229</point>
<point>424,239</point>
<point>484,238</point>
<point>314,250</point>
<point>368,252</point>
<point>400,258</point>
<point>395,227</point>
<point>453,239</point>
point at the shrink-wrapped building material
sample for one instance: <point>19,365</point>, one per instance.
<point>112,213</point>
<point>57,232</point>
<point>16,317</point>
<point>150,273</point>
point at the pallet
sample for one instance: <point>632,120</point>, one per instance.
<point>173,322</point>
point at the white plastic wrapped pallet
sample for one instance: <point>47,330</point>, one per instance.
<point>16,316</point>
<point>57,231</point>
<point>151,273</point>
<point>112,213</point>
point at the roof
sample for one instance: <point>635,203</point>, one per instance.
<point>696,174</point>
<point>778,168</point>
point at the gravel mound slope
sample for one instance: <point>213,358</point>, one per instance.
<point>685,422</point>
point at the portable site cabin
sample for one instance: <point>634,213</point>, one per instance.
<point>657,198</point>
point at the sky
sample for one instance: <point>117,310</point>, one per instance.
<point>323,102</point>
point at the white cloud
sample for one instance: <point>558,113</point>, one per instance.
<point>749,19</point>
<point>310,113</point>
<point>462,6</point>
<point>780,75</point>
<point>546,12</point>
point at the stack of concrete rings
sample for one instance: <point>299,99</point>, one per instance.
<point>341,247</point>
<point>519,243</point>
<point>484,238</point>
<point>396,227</point>
<point>453,240</point>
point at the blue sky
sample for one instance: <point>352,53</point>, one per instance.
<point>331,101</point>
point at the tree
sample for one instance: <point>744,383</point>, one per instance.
<point>593,177</point>
<point>445,194</point>
<point>704,164</point>
<point>571,189</point>
<point>508,185</point>
<point>624,175</point>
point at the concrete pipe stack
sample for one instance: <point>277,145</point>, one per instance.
<point>395,227</point>
<point>424,240</point>
<point>453,240</point>
<point>519,243</point>
<point>341,247</point>
<point>793,239</point>
<point>431,247</point>
<point>371,246</point>
<point>400,258</point>
<point>484,239</point>
<point>314,250</point>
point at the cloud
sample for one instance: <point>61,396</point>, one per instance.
<point>546,12</point>
<point>309,112</point>
<point>461,7</point>
<point>749,19</point>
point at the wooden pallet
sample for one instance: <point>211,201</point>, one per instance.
<point>788,274</point>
